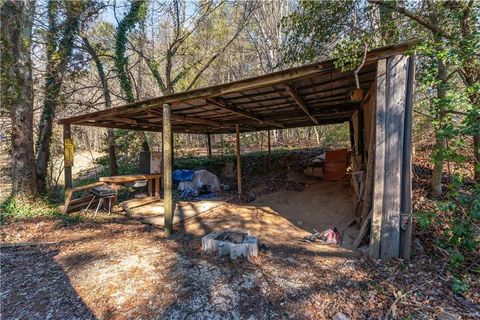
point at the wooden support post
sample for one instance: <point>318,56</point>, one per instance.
<point>67,140</point>
<point>378,175</point>
<point>406,223</point>
<point>167,169</point>
<point>352,138</point>
<point>369,183</point>
<point>209,145</point>
<point>157,188</point>
<point>394,131</point>
<point>269,149</point>
<point>239,164</point>
<point>150,187</point>
<point>361,135</point>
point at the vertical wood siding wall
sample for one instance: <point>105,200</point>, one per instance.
<point>391,221</point>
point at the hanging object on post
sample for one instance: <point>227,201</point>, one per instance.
<point>357,94</point>
<point>68,152</point>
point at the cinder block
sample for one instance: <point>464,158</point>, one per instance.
<point>248,248</point>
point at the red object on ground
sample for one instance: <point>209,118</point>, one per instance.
<point>335,166</point>
<point>332,236</point>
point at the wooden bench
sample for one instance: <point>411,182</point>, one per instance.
<point>115,182</point>
<point>77,204</point>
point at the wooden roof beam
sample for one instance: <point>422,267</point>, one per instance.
<point>291,91</point>
<point>197,120</point>
<point>182,117</point>
<point>223,105</point>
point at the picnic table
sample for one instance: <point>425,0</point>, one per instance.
<point>153,182</point>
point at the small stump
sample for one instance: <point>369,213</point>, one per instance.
<point>233,243</point>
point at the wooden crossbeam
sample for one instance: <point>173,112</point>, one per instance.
<point>122,120</point>
<point>197,120</point>
<point>291,91</point>
<point>185,118</point>
<point>174,117</point>
<point>222,105</point>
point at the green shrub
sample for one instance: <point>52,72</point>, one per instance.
<point>23,208</point>
<point>455,225</point>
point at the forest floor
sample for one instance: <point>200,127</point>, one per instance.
<point>119,268</point>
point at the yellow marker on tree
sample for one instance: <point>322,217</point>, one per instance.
<point>68,149</point>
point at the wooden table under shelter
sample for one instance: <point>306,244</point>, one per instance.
<point>153,182</point>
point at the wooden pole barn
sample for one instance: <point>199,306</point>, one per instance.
<point>380,125</point>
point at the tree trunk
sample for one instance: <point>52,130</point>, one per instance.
<point>112,155</point>
<point>16,69</point>
<point>476,155</point>
<point>129,21</point>
<point>58,54</point>
<point>440,145</point>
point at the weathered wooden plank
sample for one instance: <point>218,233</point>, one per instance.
<point>87,186</point>
<point>378,173</point>
<point>133,203</point>
<point>223,105</point>
<point>167,169</point>
<point>82,205</point>
<point>369,116</point>
<point>394,130</point>
<point>406,225</point>
<point>300,102</point>
<point>129,178</point>
<point>363,230</point>
<point>69,193</point>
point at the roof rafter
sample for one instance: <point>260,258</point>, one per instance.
<point>300,102</point>
<point>191,119</point>
<point>225,106</point>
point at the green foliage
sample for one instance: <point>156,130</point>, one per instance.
<point>314,26</point>
<point>138,11</point>
<point>459,285</point>
<point>425,219</point>
<point>455,223</point>
<point>22,208</point>
<point>337,136</point>
<point>18,209</point>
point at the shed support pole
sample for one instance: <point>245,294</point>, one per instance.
<point>209,145</point>
<point>379,166</point>
<point>67,134</point>
<point>269,149</point>
<point>406,223</point>
<point>352,137</point>
<point>239,164</point>
<point>167,169</point>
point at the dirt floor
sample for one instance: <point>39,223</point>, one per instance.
<point>321,205</point>
<point>119,268</point>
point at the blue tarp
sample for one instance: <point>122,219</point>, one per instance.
<point>182,175</point>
